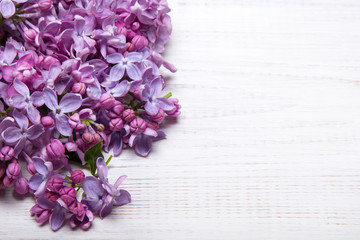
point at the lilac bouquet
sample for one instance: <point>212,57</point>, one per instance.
<point>79,77</point>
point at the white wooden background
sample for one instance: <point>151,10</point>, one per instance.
<point>268,146</point>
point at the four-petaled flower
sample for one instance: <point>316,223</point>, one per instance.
<point>18,135</point>
<point>23,100</point>
<point>68,103</point>
<point>124,63</point>
<point>102,196</point>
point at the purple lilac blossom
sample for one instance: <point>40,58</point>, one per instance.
<point>77,76</point>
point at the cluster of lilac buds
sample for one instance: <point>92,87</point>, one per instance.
<point>78,78</point>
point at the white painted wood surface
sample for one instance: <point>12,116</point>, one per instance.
<point>268,143</point>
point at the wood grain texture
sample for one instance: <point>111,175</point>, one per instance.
<point>268,143</point>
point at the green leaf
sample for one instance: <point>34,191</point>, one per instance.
<point>91,155</point>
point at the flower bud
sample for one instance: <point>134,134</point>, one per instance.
<point>13,170</point>
<point>100,127</point>
<point>8,182</point>
<point>41,214</point>
<point>97,138</point>
<point>30,35</point>
<point>135,26</point>
<point>45,5</point>
<point>128,115</point>
<point>138,125</point>
<point>116,110</point>
<point>139,42</point>
<point>55,184</point>
<point>159,116</point>
<point>77,208</point>
<point>31,168</point>
<point>6,153</point>
<point>77,176</point>
<point>116,124</point>
<point>176,110</point>
<point>21,185</point>
<point>67,194</point>
<point>79,88</point>
<point>48,62</point>
<point>75,123</point>
<point>88,137</point>
<point>52,196</point>
<point>55,149</point>
<point>107,100</point>
<point>47,122</point>
<point>76,75</point>
<point>153,125</point>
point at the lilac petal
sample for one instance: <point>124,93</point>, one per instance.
<point>35,181</point>
<point>119,181</point>
<point>160,135</point>
<point>79,24</point>
<point>21,88</point>
<point>9,53</point>
<point>156,87</point>
<point>165,104</point>
<point>7,73</point>
<point>37,98</point>
<point>94,90</point>
<point>106,210</point>
<point>70,102</point>
<point>117,72</point>
<point>121,89</point>
<point>134,57</point>
<point>124,198</point>
<point>87,71</point>
<point>133,140</point>
<point>45,204</point>
<point>114,58</point>
<point>94,205</point>
<point>116,143</point>
<point>151,108</point>
<point>18,101</point>
<point>7,8</point>
<point>40,166</point>
<point>92,187</point>
<point>33,113</point>
<point>143,145</point>
<point>62,125</point>
<point>145,94</point>
<point>6,123</point>
<point>102,169</point>
<point>57,218</point>
<point>26,62</point>
<point>41,189</point>
<point>21,119</point>
<point>19,146</point>
<point>11,135</point>
<point>133,71</point>
<point>50,99</point>
<point>35,131</point>
<point>150,132</point>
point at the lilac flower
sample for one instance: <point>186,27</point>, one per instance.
<point>116,140</point>
<point>102,196</point>
<point>52,211</point>
<point>18,135</point>
<point>39,181</point>
<point>124,63</point>
<point>68,103</point>
<point>142,142</point>
<point>8,55</point>
<point>23,100</point>
<point>150,94</point>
